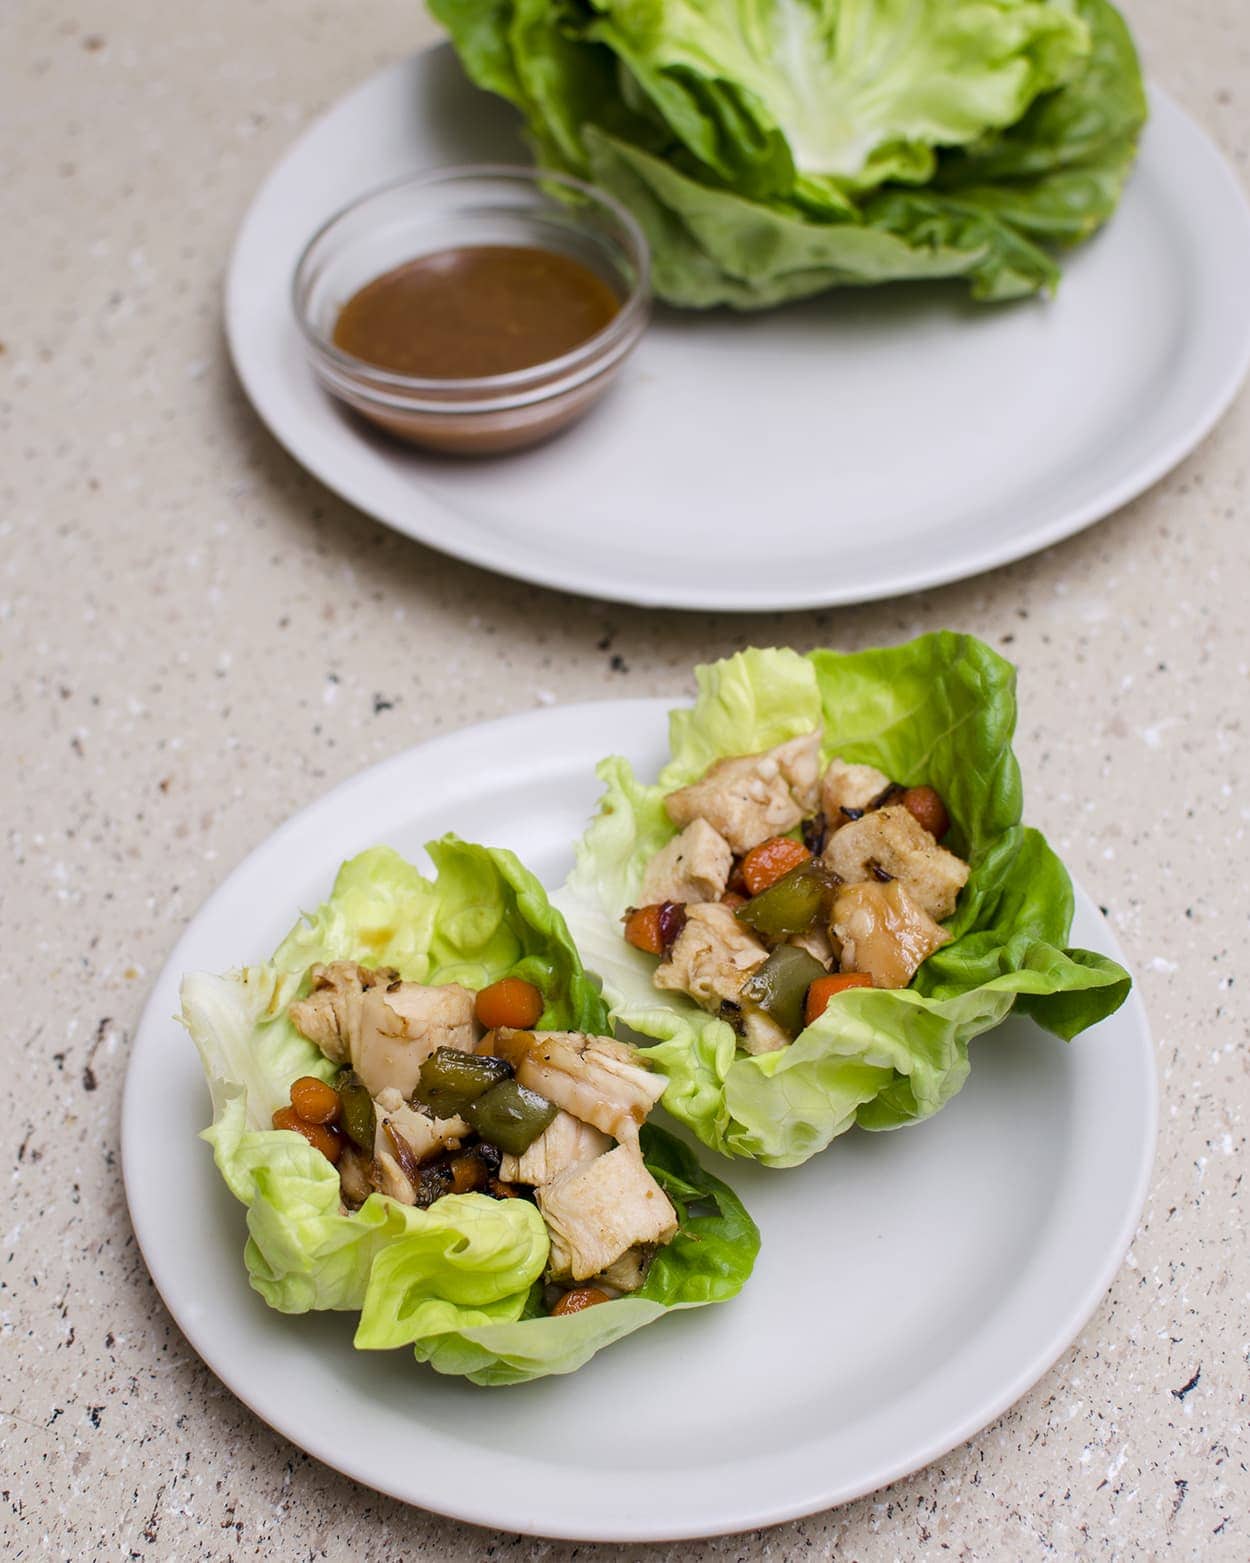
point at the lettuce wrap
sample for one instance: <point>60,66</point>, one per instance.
<point>940,711</point>
<point>771,149</point>
<point>460,1281</point>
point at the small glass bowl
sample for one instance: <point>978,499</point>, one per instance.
<point>451,207</point>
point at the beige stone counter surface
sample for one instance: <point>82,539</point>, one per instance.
<point>197,639</point>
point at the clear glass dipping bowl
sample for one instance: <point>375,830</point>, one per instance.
<point>450,207</point>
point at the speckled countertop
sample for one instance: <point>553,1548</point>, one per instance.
<point>196,639</point>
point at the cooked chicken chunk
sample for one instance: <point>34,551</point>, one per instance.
<point>427,1137</point>
<point>692,867</point>
<point>391,1181</point>
<point>597,1212</point>
<point>354,1177</point>
<point>847,787</point>
<point>596,1079</point>
<point>628,1272</point>
<point>330,1015</point>
<point>565,1142</point>
<point>387,1028</point>
<point>884,932</point>
<point>799,759</point>
<point>891,842</point>
<point>817,943</point>
<point>749,797</point>
<point>761,1033</point>
<point>711,957</point>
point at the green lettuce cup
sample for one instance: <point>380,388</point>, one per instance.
<point>772,152</point>
<point>938,711</point>
<point>459,1282</point>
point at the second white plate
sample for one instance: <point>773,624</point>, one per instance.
<point>910,1286</point>
<point>857,446</point>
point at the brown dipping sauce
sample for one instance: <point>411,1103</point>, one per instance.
<point>484,309</point>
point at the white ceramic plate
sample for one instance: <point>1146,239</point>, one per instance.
<point>911,1286</point>
<point>857,446</point>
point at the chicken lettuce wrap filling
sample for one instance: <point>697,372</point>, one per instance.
<point>419,1104</point>
<point>828,893</point>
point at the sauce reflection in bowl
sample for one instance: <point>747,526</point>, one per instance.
<point>474,310</point>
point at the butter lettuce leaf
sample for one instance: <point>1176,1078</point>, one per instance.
<point>939,710</point>
<point>858,91</point>
<point>772,149</point>
<point>457,1283</point>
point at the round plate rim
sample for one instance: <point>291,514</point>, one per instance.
<point>427,520</point>
<point>748,1514</point>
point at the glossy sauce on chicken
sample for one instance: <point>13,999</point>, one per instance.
<point>482,309</point>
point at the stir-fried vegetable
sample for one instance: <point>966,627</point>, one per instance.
<point>510,1116</point>
<point>358,1118</point>
<point>825,989</point>
<point>764,865</point>
<point>509,1002</point>
<point>793,903</point>
<point>315,1101</point>
<point>653,929</point>
<point>780,985</point>
<point>319,1135</point>
<point>450,1080</point>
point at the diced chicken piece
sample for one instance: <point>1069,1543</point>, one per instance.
<point>692,867</point>
<point>391,1181</point>
<point>565,1142</point>
<point>330,1015</point>
<point>817,943</point>
<point>711,957</point>
<point>890,844</point>
<point>749,797</point>
<point>847,790</point>
<point>354,1177</point>
<point>884,932</point>
<point>710,960</point>
<point>799,759</point>
<point>597,1079</point>
<point>387,1028</point>
<point>597,1212</point>
<point>761,1033</point>
<point>427,1137</point>
<point>629,1272</point>
<point>401,1026</point>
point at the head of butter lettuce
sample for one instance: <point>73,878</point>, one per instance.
<point>939,710</point>
<point>459,1282</point>
<point>771,149</point>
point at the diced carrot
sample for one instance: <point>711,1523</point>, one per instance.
<point>580,1297</point>
<point>642,929</point>
<point>510,1002</point>
<point>654,928</point>
<point>826,988</point>
<point>766,864</point>
<point>926,807</point>
<point>321,1136</point>
<point>315,1101</point>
